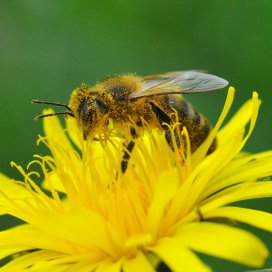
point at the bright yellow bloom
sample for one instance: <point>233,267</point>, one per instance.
<point>166,207</point>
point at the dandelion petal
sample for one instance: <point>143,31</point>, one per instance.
<point>139,263</point>
<point>259,190</point>
<point>225,242</point>
<point>109,267</point>
<point>162,195</point>
<point>54,131</point>
<point>177,257</point>
<point>255,218</point>
<point>11,189</point>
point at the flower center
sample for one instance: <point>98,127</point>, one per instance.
<point>124,206</point>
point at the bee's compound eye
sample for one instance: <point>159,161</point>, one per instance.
<point>87,112</point>
<point>83,108</point>
<point>87,116</point>
<point>91,111</point>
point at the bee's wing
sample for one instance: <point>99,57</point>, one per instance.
<point>181,82</point>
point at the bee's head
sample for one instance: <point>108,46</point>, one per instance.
<point>89,109</point>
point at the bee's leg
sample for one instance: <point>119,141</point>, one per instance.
<point>169,139</point>
<point>128,150</point>
<point>164,119</point>
<point>126,156</point>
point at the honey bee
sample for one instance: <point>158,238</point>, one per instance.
<point>130,99</point>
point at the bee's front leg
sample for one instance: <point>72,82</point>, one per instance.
<point>128,149</point>
<point>164,119</point>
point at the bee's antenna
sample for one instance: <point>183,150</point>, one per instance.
<point>36,101</point>
<point>69,112</point>
<point>53,114</point>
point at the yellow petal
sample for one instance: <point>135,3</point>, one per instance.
<point>165,187</point>
<point>138,263</point>
<point>201,152</point>
<point>255,218</point>
<point>11,193</point>
<point>238,192</point>
<point>81,266</point>
<point>205,171</point>
<point>241,169</point>
<point>35,260</point>
<point>54,131</point>
<point>8,250</point>
<point>43,261</point>
<point>84,227</point>
<point>224,242</point>
<point>237,122</point>
<point>178,257</point>
<point>74,132</point>
<point>257,190</point>
<point>21,236</point>
<point>12,189</point>
<point>109,267</point>
<point>53,180</point>
<point>223,198</point>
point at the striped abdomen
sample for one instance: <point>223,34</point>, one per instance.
<point>198,127</point>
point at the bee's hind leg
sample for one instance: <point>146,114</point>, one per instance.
<point>164,119</point>
<point>169,139</point>
<point>128,149</point>
<point>126,156</point>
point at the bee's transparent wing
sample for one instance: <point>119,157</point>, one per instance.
<point>181,82</point>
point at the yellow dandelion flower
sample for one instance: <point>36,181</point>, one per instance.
<point>166,208</point>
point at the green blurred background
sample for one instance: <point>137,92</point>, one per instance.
<point>48,48</point>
